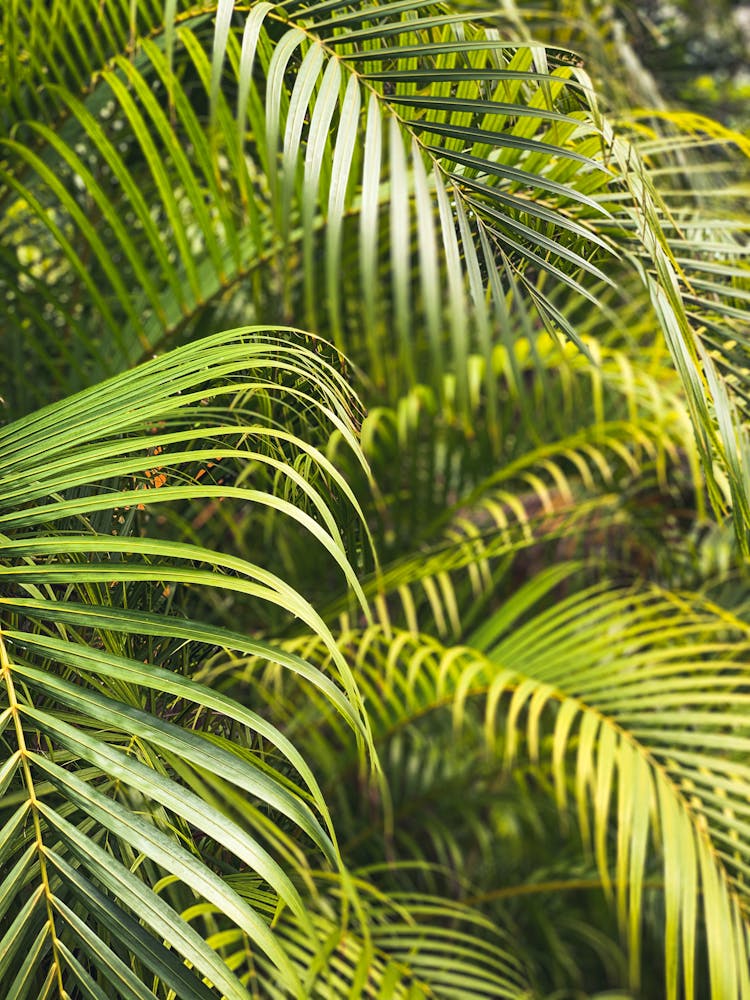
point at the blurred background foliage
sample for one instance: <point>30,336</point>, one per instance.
<point>699,53</point>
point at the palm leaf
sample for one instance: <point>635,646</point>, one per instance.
<point>505,162</point>
<point>601,468</point>
<point>86,722</point>
<point>653,763</point>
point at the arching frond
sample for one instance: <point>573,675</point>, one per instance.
<point>229,592</point>
<point>598,470</point>
<point>653,762</point>
<point>465,172</point>
<point>402,945</point>
<point>104,793</point>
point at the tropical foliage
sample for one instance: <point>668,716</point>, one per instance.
<point>392,643</point>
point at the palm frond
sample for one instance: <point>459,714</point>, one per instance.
<point>400,945</point>
<point>92,682</point>
<point>599,467</point>
<point>410,127</point>
<point>653,763</point>
<point>228,592</point>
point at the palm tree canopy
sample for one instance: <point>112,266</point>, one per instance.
<point>392,643</point>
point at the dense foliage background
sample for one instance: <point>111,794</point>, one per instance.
<point>393,643</point>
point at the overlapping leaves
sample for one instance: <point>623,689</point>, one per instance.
<point>652,763</point>
<point>435,191</point>
<point>120,770</point>
<point>463,171</point>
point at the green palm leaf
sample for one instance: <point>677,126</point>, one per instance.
<point>653,763</point>
<point>487,146</point>
<point>219,609</point>
<point>87,723</point>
